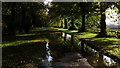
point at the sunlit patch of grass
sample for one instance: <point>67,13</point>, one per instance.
<point>71,31</point>
<point>86,35</point>
<point>15,43</point>
<point>79,35</point>
<point>115,51</point>
<point>60,29</point>
<point>116,40</point>
<point>40,29</point>
<point>26,34</point>
<point>111,45</point>
<point>66,30</point>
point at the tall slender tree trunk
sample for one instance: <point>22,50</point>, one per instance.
<point>72,23</point>
<point>61,25</point>
<point>83,29</point>
<point>72,27</point>
<point>12,27</point>
<point>33,19</point>
<point>65,24</point>
<point>103,32</point>
<point>23,18</point>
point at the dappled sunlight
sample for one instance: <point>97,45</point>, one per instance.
<point>71,31</point>
<point>26,34</point>
<point>60,29</point>
<point>15,43</point>
<point>86,35</point>
<point>66,30</point>
<point>111,45</point>
<point>39,29</point>
<point>50,34</point>
<point>115,51</point>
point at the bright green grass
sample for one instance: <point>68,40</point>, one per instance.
<point>21,39</point>
<point>19,42</point>
<point>75,32</point>
<point>40,29</point>
<point>111,45</point>
<point>24,38</point>
<point>85,35</point>
<point>32,34</point>
<point>61,29</point>
<point>66,30</point>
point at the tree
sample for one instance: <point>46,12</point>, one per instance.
<point>9,11</point>
<point>20,17</point>
<point>62,11</point>
<point>86,8</point>
<point>103,7</point>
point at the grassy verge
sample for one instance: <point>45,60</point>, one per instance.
<point>111,45</point>
<point>33,36</point>
<point>105,45</point>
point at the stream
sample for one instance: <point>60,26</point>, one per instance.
<point>54,53</point>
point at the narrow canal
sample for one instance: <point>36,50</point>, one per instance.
<point>58,51</point>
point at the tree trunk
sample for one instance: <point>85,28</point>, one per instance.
<point>72,40</point>
<point>72,23</point>
<point>12,28</point>
<point>65,37</point>
<point>65,23</point>
<point>23,18</point>
<point>61,25</point>
<point>83,29</point>
<point>103,32</point>
<point>34,20</point>
<point>72,27</point>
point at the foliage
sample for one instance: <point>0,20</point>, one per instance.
<point>21,17</point>
<point>92,22</point>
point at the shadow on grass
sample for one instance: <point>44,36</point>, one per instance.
<point>29,36</point>
<point>107,46</point>
<point>22,55</point>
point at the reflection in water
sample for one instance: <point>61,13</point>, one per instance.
<point>48,56</point>
<point>108,61</point>
<point>36,55</point>
<point>63,35</point>
<point>96,59</point>
<point>47,61</point>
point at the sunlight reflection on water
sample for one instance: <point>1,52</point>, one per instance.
<point>48,56</point>
<point>63,35</point>
<point>108,61</point>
